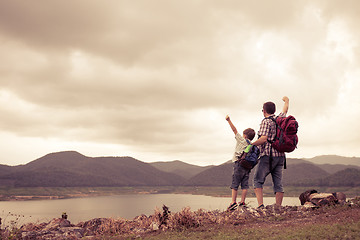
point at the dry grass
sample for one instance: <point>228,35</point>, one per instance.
<point>284,223</point>
<point>246,223</point>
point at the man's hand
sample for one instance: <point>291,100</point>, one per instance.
<point>260,141</point>
<point>227,118</point>
<point>286,104</point>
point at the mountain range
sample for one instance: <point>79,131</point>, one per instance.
<point>70,169</point>
<point>334,159</point>
<point>66,169</point>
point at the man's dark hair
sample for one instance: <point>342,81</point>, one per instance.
<point>269,107</point>
<point>250,133</point>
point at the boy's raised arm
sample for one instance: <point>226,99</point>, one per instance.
<point>231,124</point>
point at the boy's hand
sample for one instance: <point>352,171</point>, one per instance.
<point>285,99</point>
<point>231,124</point>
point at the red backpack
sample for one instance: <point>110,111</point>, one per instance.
<point>286,134</point>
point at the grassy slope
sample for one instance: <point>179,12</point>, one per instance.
<point>345,230</point>
<point>328,223</point>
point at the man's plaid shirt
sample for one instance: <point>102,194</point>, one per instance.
<point>268,128</point>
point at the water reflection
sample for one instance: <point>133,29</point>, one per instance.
<point>123,206</point>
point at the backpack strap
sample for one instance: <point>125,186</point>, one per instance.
<point>277,126</point>
<point>272,141</point>
<point>270,160</point>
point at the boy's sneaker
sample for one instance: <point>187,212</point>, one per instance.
<point>242,204</point>
<point>232,207</point>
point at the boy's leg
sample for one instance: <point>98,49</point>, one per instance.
<point>233,204</point>
<point>244,183</point>
<point>234,187</point>
<point>234,193</point>
<point>236,178</point>
<point>243,195</point>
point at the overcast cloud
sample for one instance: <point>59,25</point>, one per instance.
<point>155,79</point>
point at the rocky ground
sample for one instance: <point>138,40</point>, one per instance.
<point>164,220</point>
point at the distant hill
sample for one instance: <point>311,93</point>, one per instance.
<point>334,159</point>
<point>215,176</point>
<point>5,168</point>
<point>182,169</point>
<point>70,169</point>
<point>295,161</point>
<point>222,175</point>
<point>302,171</point>
<point>349,177</point>
<point>329,168</point>
<point>333,168</point>
<point>67,169</point>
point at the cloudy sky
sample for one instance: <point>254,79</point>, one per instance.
<point>155,79</point>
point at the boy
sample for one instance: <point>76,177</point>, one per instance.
<point>241,175</point>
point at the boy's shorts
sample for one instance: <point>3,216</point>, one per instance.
<point>240,176</point>
<point>263,170</point>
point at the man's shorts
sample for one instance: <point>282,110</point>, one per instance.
<point>240,176</point>
<point>263,170</point>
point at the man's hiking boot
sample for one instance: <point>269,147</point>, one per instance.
<point>232,207</point>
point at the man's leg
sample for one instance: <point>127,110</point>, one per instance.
<point>279,198</point>
<point>277,180</point>
<point>262,171</point>
<point>259,196</point>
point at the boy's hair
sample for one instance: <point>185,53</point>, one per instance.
<point>250,133</point>
<point>269,107</point>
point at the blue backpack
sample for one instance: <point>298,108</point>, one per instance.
<point>249,158</point>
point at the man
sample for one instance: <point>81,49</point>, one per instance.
<point>271,161</point>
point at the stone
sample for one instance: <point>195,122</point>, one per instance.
<point>321,199</point>
<point>56,223</point>
<point>154,226</point>
<point>340,196</point>
<point>309,205</point>
<point>305,196</point>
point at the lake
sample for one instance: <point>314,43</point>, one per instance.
<point>116,206</point>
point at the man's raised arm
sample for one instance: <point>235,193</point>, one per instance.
<point>286,104</point>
